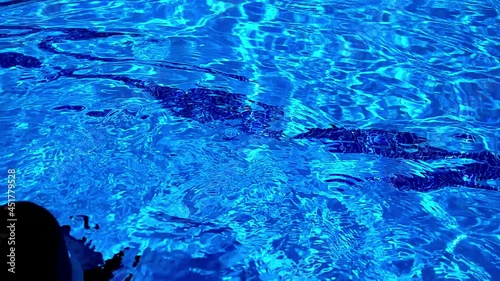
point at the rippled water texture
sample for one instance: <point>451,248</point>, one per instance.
<point>201,200</point>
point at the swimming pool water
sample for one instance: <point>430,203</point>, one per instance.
<point>199,199</point>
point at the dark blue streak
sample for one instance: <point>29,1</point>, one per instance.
<point>469,175</point>
<point>14,2</point>
<point>77,34</point>
<point>28,30</point>
<point>373,136</point>
<point>404,145</point>
<point>10,59</point>
<point>74,34</point>
<point>390,144</point>
<point>70,108</point>
<point>201,104</point>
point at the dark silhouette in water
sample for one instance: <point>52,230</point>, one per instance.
<point>388,143</point>
<point>200,104</point>
<point>471,175</point>
<point>207,105</point>
<point>377,137</point>
<point>11,59</point>
<point>47,251</point>
<point>41,248</point>
<point>38,243</point>
<point>404,145</point>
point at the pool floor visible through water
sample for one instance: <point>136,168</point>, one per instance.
<point>270,140</point>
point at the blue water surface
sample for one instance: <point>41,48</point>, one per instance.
<point>224,190</point>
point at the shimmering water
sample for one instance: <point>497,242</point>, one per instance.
<point>204,201</point>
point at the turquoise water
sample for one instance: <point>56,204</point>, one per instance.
<point>197,206</point>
